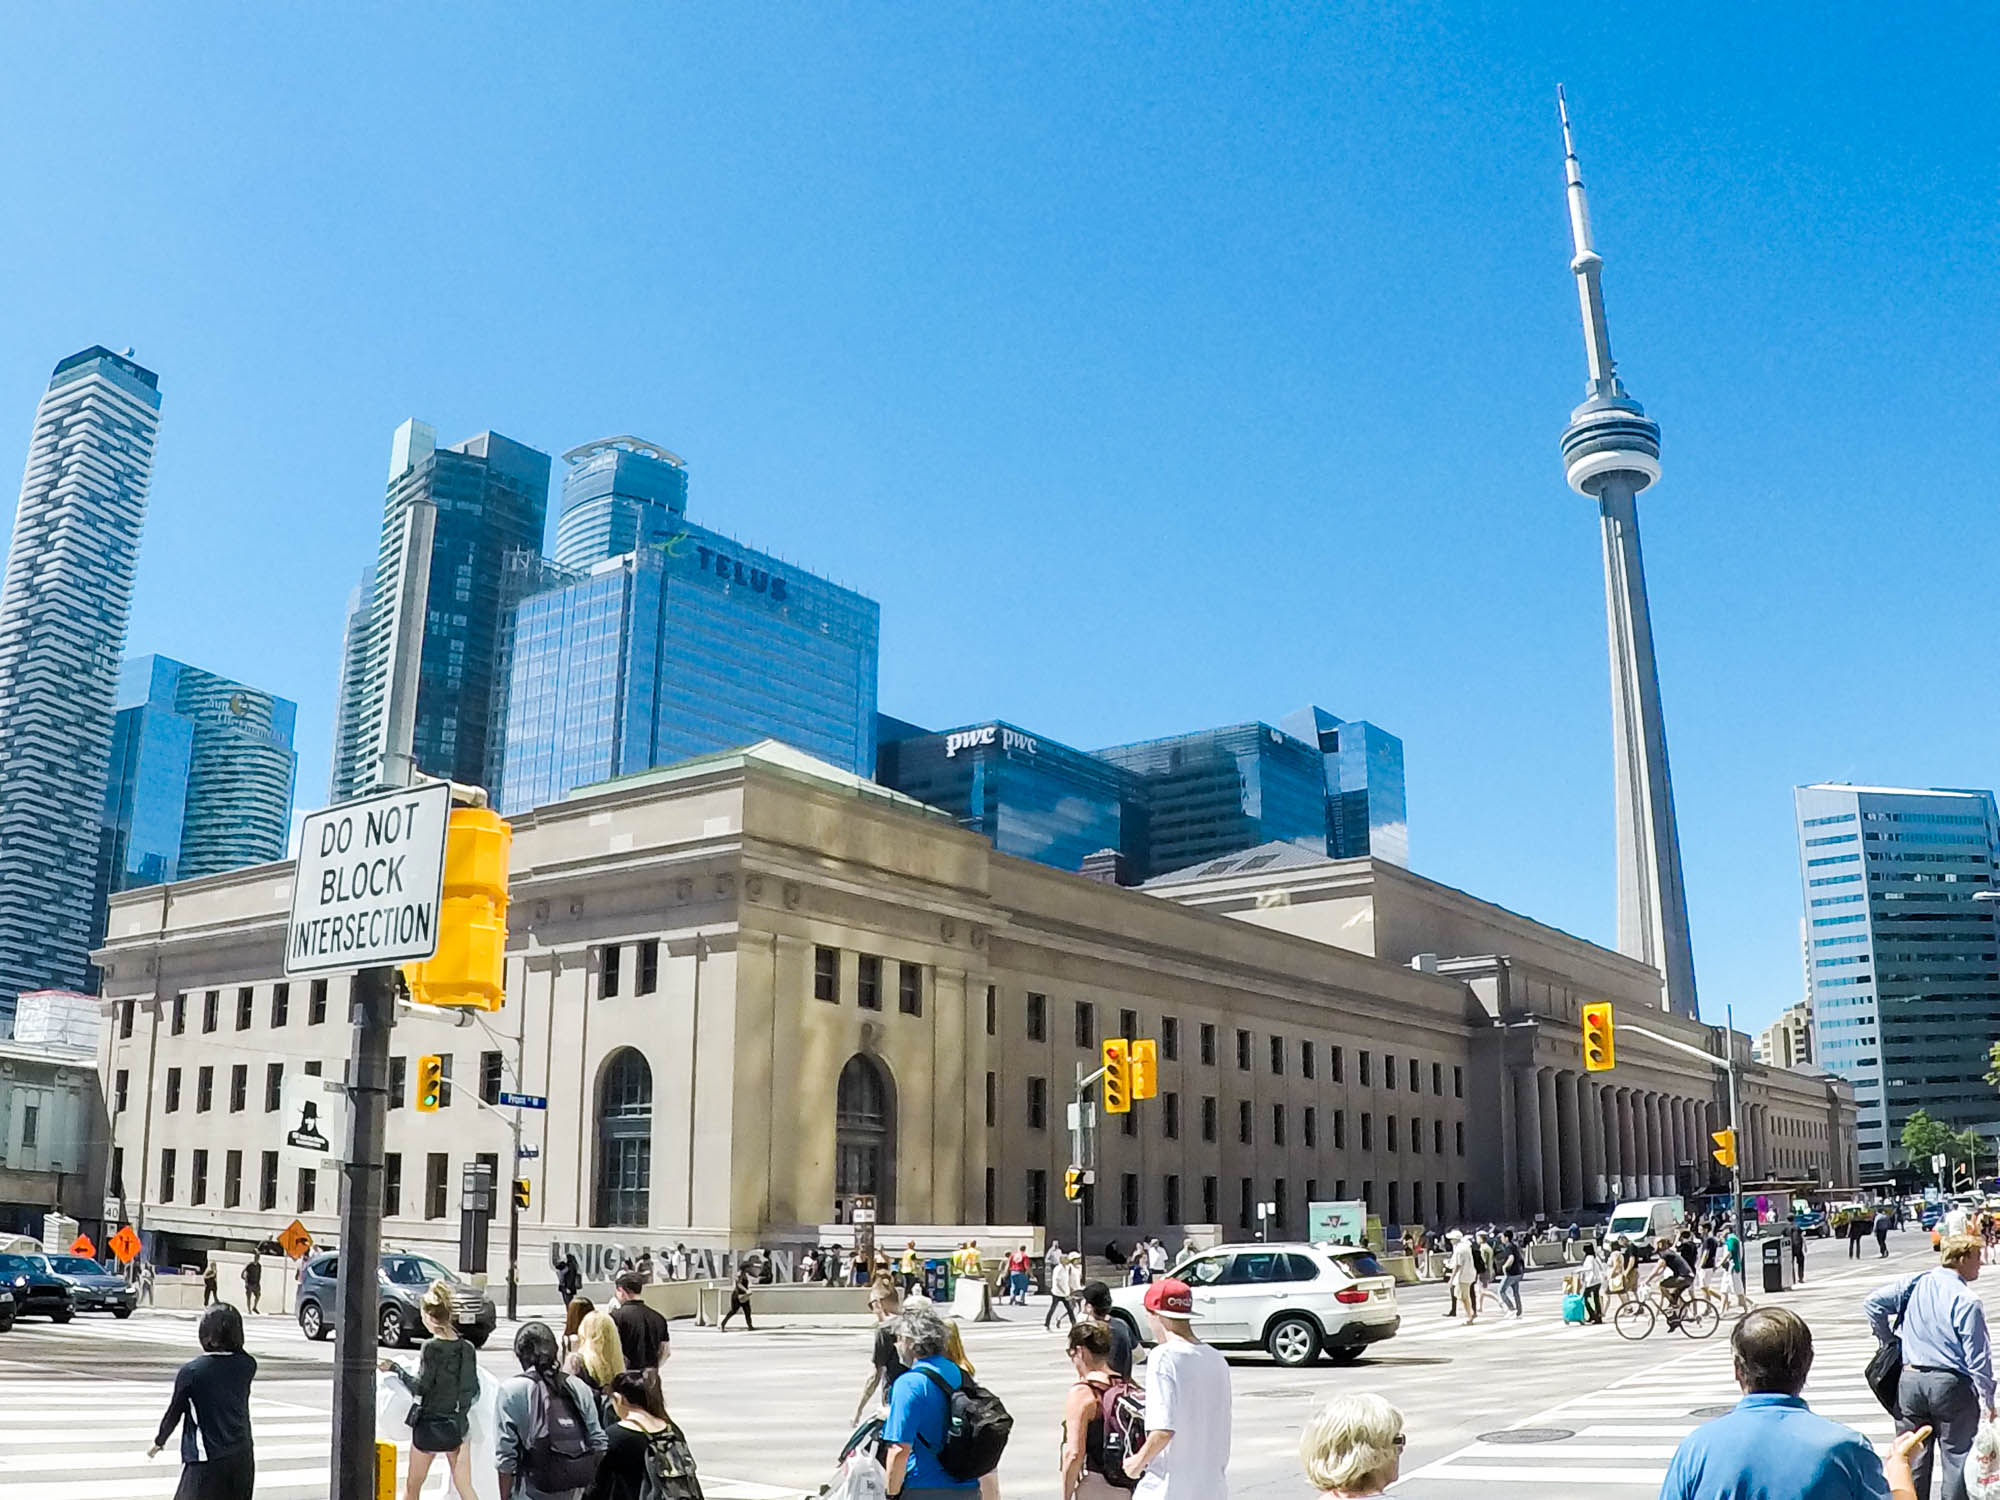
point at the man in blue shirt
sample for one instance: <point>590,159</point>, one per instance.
<point>1772,1444</point>
<point>919,1412</point>
<point>1947,1357</point>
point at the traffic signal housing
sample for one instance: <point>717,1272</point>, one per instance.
<point>1117,1076</point>
<point>1599,1051</point>
<point>430,1083</point>
<point>469,969</point>
<point>521,1194</point>
<point>1725,1146</point>
<point>1145,1068</point>
<point>1073,1184</point>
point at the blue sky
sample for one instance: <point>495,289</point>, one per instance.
<point>1154,367</point>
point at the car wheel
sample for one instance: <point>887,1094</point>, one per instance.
<point>477,1337</point>
<point>121,1312</point>
<point>392,1335</point>
<point>1293,1341</point>
<point>1341,1356</point>
<point>62,1315</point>
<point>312,1322</point>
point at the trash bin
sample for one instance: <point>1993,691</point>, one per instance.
<point>1775,1264</point>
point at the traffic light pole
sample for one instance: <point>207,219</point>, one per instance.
<point>1083,1146</point>
<point>374,1014</point>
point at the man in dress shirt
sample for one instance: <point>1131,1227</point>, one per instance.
<point>1947,1358</point>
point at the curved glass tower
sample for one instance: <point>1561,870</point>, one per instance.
<point>618,494</point>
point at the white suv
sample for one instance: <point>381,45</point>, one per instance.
<point>1297,1301</point>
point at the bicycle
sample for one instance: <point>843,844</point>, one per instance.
<point>1695,1315</point>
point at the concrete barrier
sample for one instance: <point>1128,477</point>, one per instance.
<point>773,1301</point>
<point>1544,1253</point>
<point>1402,1267</point>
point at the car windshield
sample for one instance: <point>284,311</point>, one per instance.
<point>412,1270</point>
<point>75,1265</point>
<point>1202,1272</point>
<point>1629,1224</point>
<point>18,1265</point>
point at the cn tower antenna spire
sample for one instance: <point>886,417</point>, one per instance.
<point>1611,451</point>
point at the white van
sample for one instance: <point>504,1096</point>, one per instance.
<point>1644,1220</point>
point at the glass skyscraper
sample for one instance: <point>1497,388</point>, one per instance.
<point>492,496</point>
<point>1028,794</point>
<point>1365,810</point>
<point>64,604</point>
<point>1220,791</point>
<point>688,643</point>
<point>1902,958</point>
<point>200,779</point>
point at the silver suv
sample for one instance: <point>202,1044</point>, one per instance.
<point>404,1280</point>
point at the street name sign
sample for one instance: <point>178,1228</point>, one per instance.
<point>523,1101</point>
<point>370,882</point>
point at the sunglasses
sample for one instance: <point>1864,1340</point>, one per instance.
<point>1400,1439</point>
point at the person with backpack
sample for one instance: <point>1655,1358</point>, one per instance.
<point>446,1387</point>
<point>549,1442</point>
<point>1103,1419</point>
<point>646,1456</point>
<point>1097,1301</point>
<point>1513,1266</point>
<point>943,1432</point>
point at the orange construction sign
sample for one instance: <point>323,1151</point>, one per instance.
<point>125,1245</point>
<point>81,1245</point>
<point>296,1240</point>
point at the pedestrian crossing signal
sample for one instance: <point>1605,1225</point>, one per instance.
<point>1073,1184</point>
<point>1725,1146</point>
<point>1599,1053</point>
<point>1145,1069</point>
<point>430,1083</point>
<point>1117,1076</point>
<point>520,1192</point>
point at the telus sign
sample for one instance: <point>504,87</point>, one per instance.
<point>722,565</point>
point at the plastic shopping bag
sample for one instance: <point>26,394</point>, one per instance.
<point>859,1477</point>
<point>392,1409</point>
<point>1982,1469</point>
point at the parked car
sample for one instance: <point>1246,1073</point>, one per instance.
<point>92,1288</point>
<point>1297,1301</point>
<point>38,1291</point>
<point>1813,1222</point>
<point>404,1278</point>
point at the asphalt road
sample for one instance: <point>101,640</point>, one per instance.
<point>767,1411</point>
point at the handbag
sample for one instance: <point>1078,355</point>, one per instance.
<point>1884,1371</point>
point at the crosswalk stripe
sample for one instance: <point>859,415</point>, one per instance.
<point>160,1484</point>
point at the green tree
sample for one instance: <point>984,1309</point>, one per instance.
<point>1924,1137</point>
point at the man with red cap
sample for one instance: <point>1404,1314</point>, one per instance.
<point>1186,1451</point>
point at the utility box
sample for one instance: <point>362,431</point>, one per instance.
<point>1777,1263</point>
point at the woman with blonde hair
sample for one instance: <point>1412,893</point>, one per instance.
<point>1353,1446</point>
<point>597,1357</point>
<point>445,1386</point>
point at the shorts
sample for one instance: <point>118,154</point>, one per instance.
<point>230,1478</point>
<point>437,1434</point>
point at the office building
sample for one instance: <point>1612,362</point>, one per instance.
<point>691,643</point>
<point>1029,795</point>
<point>1221,791</point>
<point>64,604</point>
<point>54,1147</point>
<point>491,497</point>
<point>347,772</point>
<point>753,986</point>
<point>1365,810</point>
<point>1611,451</point>
<point>200,779</point>
<point>1903,969</point>
<point>1787,1041</point>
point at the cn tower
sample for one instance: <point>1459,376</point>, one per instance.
<point>1611,451</point>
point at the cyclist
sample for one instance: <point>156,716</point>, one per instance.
<point>1674,1275</point>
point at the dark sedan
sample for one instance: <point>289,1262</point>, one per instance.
<point>38,1291</point>
<point>92,1288</point>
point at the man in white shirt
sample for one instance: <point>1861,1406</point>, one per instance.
<point>1186,1452</point>
<point>1156,1259</point>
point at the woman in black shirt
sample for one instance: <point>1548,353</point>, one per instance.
<point>211,1406</point>
<point>642,1427</point>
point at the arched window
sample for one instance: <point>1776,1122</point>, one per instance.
<point>624,1140</point>
<point>865,1138</point>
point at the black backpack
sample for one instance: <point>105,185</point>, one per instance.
<point>976,1427</point>
<point>558,1454</point>
<point>670,1466</point>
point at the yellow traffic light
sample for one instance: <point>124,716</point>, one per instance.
<point>521,1192</point>
<point>1145,1068</point>
<point>1117,1076</point>
<point>1599,1052</point>
<point>469,968</point>
<point>430,1083</point>
<point>1725,1146</point>
<point>1073,1184</point>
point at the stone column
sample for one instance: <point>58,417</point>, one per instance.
<point>1614,1159</point>
<point>1650,1107</point>
<point>1680,1132</point>
<point>1528,1139</point>
<point>1545,1086</point>
<point>1570,1138</point>
<point>1590,1126</point>
<point>1628,1143</point>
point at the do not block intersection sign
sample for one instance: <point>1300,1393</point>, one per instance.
<point>370,882</point>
